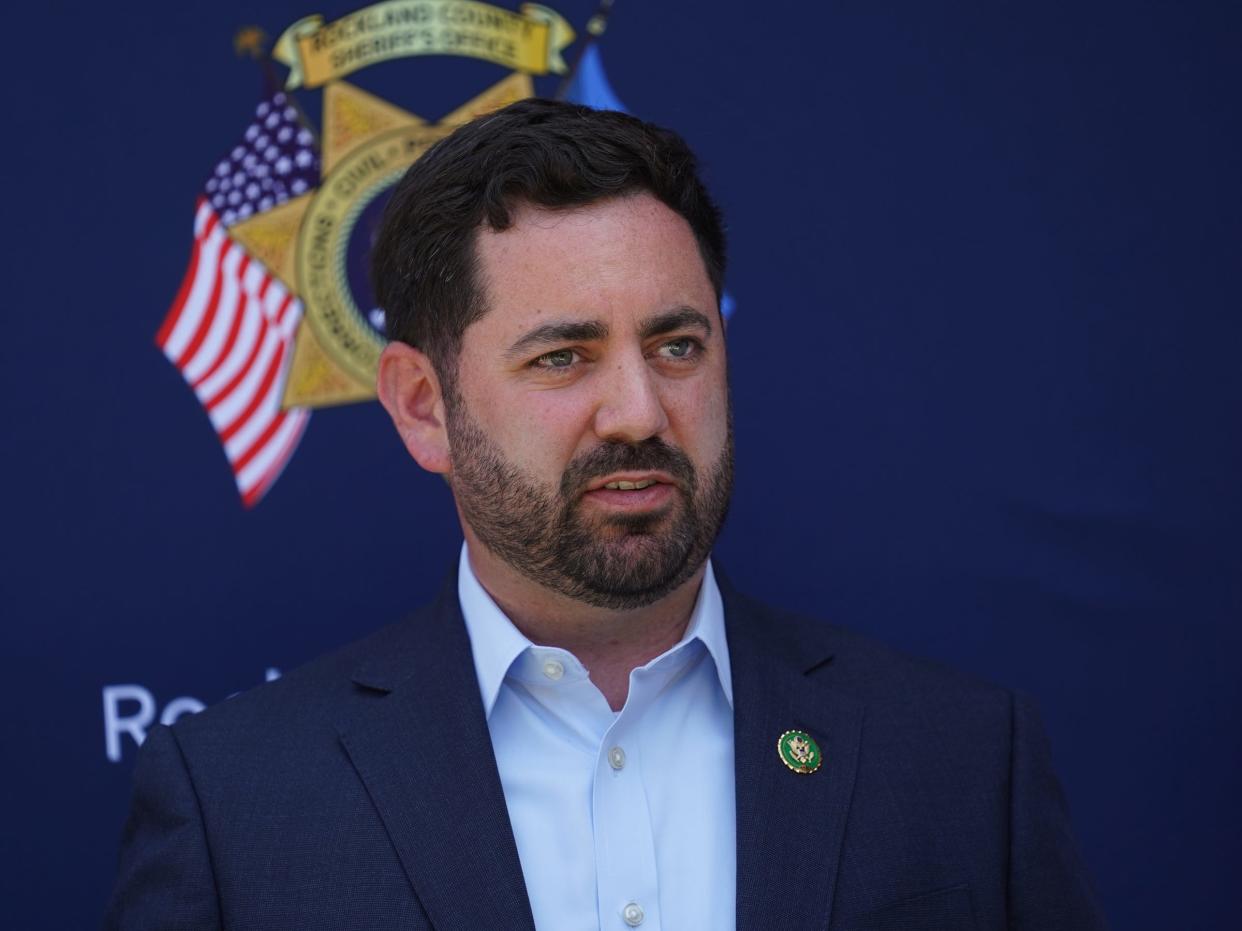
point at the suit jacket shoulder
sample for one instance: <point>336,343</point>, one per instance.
<point>935,806</point>
<point>359,790</point>
<point>870,671</point>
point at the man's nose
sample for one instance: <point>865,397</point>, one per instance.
<point>630,408</point>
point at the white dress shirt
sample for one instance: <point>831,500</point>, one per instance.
<point>622,819</point>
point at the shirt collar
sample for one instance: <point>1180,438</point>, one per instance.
<point>496,643</point>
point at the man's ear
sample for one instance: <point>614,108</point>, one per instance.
<point>410,391</point>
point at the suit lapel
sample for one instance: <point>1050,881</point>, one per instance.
<point>420,743</point>
<point>789,825</point>
<point>418,739</point>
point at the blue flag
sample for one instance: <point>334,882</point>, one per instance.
<point>590,87</point>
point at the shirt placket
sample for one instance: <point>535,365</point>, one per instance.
<point>626,876</point>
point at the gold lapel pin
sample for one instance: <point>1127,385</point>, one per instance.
<point>799,751</point>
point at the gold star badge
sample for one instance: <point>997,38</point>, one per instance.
<point>317,244</point>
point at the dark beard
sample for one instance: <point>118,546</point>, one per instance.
<point>618,562</point>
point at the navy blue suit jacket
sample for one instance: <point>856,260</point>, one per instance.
<point>361,792</point>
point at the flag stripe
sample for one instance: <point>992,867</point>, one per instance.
<point>282,312</point>
<point>264,469</point>
<point>260,442</point>
<point>264,405</point>
<point>230,331</point>
<point>198,300</point>
<point>201,354</point>
<point>230,408</point>
<point>266,465</point>
<point>226,349</point>
<point>191,275</point>
<point>210,309</point>
<point>201,216</point>
<point>233,369</point>
<point>204,218</point>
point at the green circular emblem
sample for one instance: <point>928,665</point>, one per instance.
<point>799,751</point>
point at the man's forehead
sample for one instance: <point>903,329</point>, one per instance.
<point>617,262</point>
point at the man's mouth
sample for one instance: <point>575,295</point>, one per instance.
<point>633,493</point>
<point>631,486</point>
<point>630,481</point>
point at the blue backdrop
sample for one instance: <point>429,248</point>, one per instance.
<point>984,357</point>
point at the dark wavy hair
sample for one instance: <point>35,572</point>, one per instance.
<point>542,152</point>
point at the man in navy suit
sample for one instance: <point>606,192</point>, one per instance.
<point>589,728</point>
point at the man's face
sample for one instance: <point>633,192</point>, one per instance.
<point>600,360</point>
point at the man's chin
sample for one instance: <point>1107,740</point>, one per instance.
<point>631,571</point>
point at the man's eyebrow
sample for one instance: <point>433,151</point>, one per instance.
<point>557,332</point>
<point>672,320</point>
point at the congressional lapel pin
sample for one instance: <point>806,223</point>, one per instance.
<point>799,751</point>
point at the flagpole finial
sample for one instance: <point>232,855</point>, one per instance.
<point>594,29</point>
<point>250,42</point>
<point>599,22</point>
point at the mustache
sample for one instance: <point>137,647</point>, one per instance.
<point>651,455</point>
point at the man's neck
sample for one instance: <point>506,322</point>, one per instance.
<point>609,643</point>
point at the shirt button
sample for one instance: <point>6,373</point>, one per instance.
<point>553,669</point>
<point>616,759</point>
<point>633,914</point>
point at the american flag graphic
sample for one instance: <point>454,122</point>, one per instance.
<point>230,329</point>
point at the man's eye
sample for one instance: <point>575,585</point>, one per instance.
<point>683,348</point>
<point>560,359</point>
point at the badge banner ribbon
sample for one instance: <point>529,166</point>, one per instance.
<point>530,40</point>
